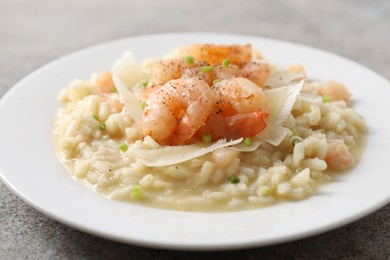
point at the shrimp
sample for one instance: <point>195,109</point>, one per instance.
<point>114,104</point>
<point>214,54</point>
<point>165,70</point>
<point>196,72</point>
<point>105,82</point>
<point>336,91</point>
<point>177,110</point>
<point>338,156</point>
<point>255,72</point>
<point>240,56</point>
<point>242,109</point>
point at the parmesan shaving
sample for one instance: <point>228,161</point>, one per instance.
<point>128,69</point>
<point>132,104</point>
<point>280,101</point>
<point>241,147</point>
<point>280,78</point>
<point>310,98</point>
<point>170,155</point>
<point>274,134</point>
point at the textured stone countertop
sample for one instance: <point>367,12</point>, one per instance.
<point>33,33</point>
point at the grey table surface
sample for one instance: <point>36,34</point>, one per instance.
<point>33,33</point>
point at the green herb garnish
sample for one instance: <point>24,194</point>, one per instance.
<point>136,191</point>
<point>207,68</point>
<point>215,81</point>
<point>248,141</point>
<point>326,99</point>
<point>102,126</point>
<point>265,191</point>
<point>189,60</point>
<point>144,82</point>
<point>206,138</point>
<point>123,147</point>
<point>96,117</point>
<point>234,179</point>
<point>295,132</point>
<point>226,63</point>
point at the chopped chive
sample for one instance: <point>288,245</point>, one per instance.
<point>234,179</point>
<point>143,105</point>
<point>114,90</point>
<point>189,60</point>
<point>207,68</point>
<point>247,141</point>
<point>102,126</point>
<point>96,117</point>
<point>326,99</point>
<point>295,132</point>
<point>226,63</point>
<point>123,147</point>
<point>136,191</point>
<point>215,81</point>
<point>295,141</point>
<point>144,82</point>
<point>265,190</point>
<point>206,138</point>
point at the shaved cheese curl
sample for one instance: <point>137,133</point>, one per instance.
<point>132,104</point>
<point>280,101</point>
<point>170,155</point>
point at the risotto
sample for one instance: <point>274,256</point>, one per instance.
<point>206,128</point>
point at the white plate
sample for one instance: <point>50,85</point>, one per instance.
<point>29,167</point>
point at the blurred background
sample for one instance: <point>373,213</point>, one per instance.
<point>38,31</point>
<point>33,33</point>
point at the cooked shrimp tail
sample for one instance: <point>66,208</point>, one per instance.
<point>242,107</point>
<point>246,125</point>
